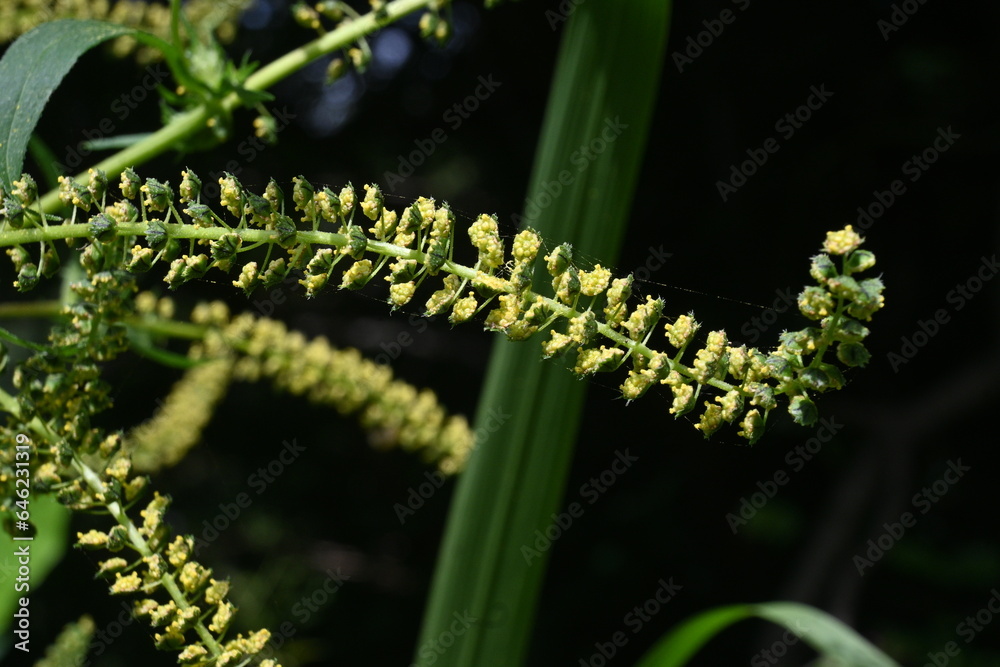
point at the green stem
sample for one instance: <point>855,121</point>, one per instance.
<point>187,231</point>
<point>186,124</point>
<point>139,543</point>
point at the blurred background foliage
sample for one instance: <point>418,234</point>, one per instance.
<point>332,510</point>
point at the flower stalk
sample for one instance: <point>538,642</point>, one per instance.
<point>587,315</point>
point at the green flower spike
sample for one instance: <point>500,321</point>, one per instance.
<point>736,385</point>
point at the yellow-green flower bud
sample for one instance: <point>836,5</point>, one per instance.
<point>26,190</point>
<point>644,318</point>
<point>506,314</point>
<point>130,583</point>
<point>306,16</point>
<point>443,297</point>
<point>822,268</point>
<point>637,383</point>
<point>347,200</point>
<point>842,242</point>
<point>559,259</point>
<point>190,188</point>
<point>222,617</point>
<point>357,242</point>
<point>489,283</point>
<point>72,193</point>
<point>129,184</point>
<point>372,204</point>
<point>752,426</point>
<point>732,404</point>
<point>684,399</point>
<point>231,194</point>
<point>485,236</point>
<point>386,226</point>
<point>158,195</point>
<point>682,331</point>
<point>275,273</point>
<point>356,276</point>
<point>526,245</point>
<point>711,419</point>
<point>217,591</point>
<point>556,345</point>
<point>193,654</point>
<point>111,566</point>
<point>618,294</point>
<point>162,614</point>
<point>248,279</point>
<point>463,309</point>
<point>327,203</point>
<point>707,363</point>
<point>583,327</point>
<point>193,576</point>
<point>816,303</point>
<point>594,282</point>
<point>141,259</point>
<point>302,194</point>
<point>567,286</point>
<point>92,539</point>
<point>97,184</point>
<point>180,550</point>
<point>594,360</point>
<point>336,69</point>
<point>859,260</point>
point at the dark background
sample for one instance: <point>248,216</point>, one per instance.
<point>666,516</point>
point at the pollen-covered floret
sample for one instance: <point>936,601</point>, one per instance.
<point>842,242</point>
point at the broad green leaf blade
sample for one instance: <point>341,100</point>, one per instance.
<point>687,639</point>
<point>827,634</point>
<point>831,637</point>
<point>607,75</point>
<point>51,519</point>
<point>30,70</point>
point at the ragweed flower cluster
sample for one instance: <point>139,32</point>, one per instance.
<point>59,392</point>
<point>348,237</point>
<point>248,348</point>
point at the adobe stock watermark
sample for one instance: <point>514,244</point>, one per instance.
<point>591,491</point>
<point>695,45</point>
<point>259,481</point>
<point>454,116</point>
<point>634,620</point>
<point>786,126</point>
<point>417,496</point>
<point>106,636</point>
<point>957,297</point>
<point>249,149</point>
<point>432,649</point>
<point>916,166</point>
<point>968,629</point>
<point>121,107</point>
<point>924,500</point>
<point>562,12</point>
<point>309,604</point>
<point>303,610</point>
<point>779,648</point>
<point>581,159</point>
<point>900,14</point>
<point>796,458</point>
<point>757,325</point>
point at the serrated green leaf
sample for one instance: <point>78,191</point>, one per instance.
<point>30,70</point>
